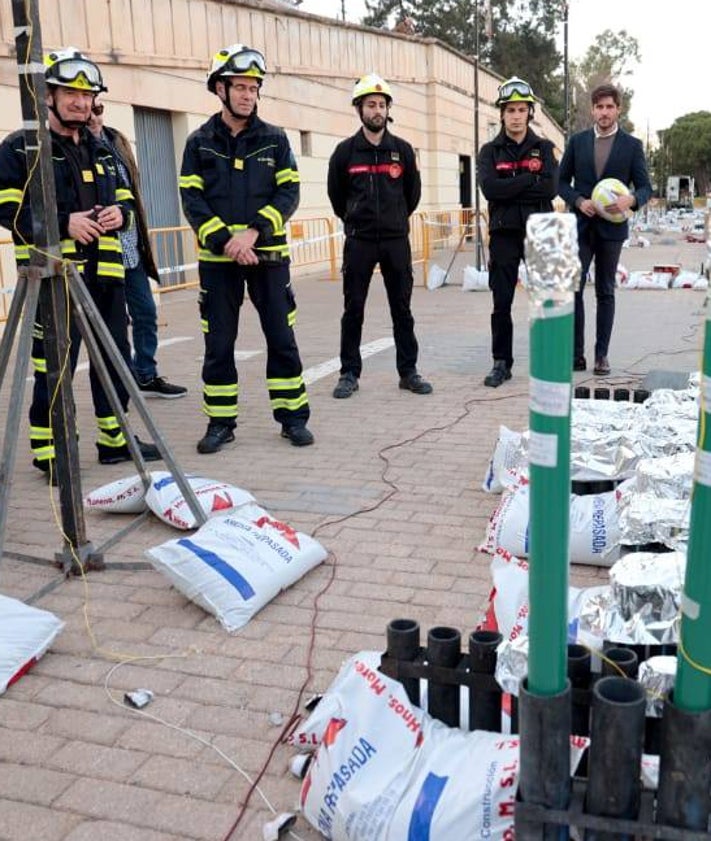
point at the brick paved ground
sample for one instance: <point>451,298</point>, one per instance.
<point>392,489</point>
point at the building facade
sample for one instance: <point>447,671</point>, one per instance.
<point>154,55</point>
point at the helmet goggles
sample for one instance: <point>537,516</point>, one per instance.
<point>76,73</point>
<point>515,86</point>
<point>245,63</point>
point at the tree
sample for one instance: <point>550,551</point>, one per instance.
<point>609,58</point>
<point>685,148</point>
<point>516,37</point>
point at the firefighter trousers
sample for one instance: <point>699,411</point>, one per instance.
<point>110,300</point>
<point>360,257</point>
<point>222,287</point>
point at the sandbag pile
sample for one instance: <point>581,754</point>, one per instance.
<point>234,564</point>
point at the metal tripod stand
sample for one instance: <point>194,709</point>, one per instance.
<point>78,552</point>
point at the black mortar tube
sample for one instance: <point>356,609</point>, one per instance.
<point>615,753</point>
<point>403,639</point>
<point>443,649</point>
<point>544,759</point>
<point>684,768</point>
<point>579,676</point>
<point>621,662</point>
<point>484,704</point>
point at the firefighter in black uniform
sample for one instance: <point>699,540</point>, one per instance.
<point>374,187</point>
<point>92,206</point>
<point>518,175</point>
<point>239,185</point>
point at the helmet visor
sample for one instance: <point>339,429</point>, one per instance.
<point>72,70</point>
<point>508,89</point>
<point>243,62</point>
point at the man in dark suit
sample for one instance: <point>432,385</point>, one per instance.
<point>603,151</point>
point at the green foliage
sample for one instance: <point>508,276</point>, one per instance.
<point>685,148</point>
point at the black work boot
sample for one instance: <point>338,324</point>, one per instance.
<point>414,383</point>
<point>299,435</point>
<point>498,374</point>
<point>347,384</point>
<point>115,455</point>
<point>216,436</point>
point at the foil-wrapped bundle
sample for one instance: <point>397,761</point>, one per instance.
<point>669,477</point>
<point>512,663</point>
<point>648,585</point>
<point>645,518</point>
<point>599,429</point>
<point>674,403</point>
<point>657,676</point>
<point>601,619</point>
<point>662,436</point>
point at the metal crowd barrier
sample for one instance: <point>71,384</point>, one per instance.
<point>316,244</point>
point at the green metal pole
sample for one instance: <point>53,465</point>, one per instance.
<point>692,690</point>
<point>553,271</point>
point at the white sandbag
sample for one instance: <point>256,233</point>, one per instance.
<point>594,526</point>
<point>621,275</point>
<point>684,280</point>
<point>701,283</point>
<point>124,496</point>
<point>233,566</point>
<point>436,277</point>
<point>385,769</point>
<point>507,455</point>
<point>474,280</point>
<point>25,634</point>
<point>166,500</point>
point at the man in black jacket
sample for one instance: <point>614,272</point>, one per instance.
<point>239,185</point>
<point>374,187</point>
<point>518,174</point>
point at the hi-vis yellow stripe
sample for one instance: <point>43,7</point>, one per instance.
<point>10,195</point>
<point>185,182</point>
<point>272,214</point>
<point>230,390</point>
<point>110,244</point>
<point>209,227</point>
<point>285,175</point>
<point>124,194</point>
<point>110,270</point>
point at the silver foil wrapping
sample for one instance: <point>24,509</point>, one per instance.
<point>657,675</point>
<point>646,518</point>
<point>512,663</point>
<point>669,477</point>
<point>648,585</point>
<point>552,261</point>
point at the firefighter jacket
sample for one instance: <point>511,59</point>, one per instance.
<point>374,189</point>
<point>229,184</point>
<point>517,179</point>
<point>100,260</point>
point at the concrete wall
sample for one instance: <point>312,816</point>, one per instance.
<point>154,54</point>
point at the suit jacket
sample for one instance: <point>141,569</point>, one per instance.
<point>577,177</point>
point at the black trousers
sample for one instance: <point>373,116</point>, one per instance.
<point>505,255</point>
<point>268,285</point>
<point>360,257</point>
<point>110,300</point>
<point>607,255</point>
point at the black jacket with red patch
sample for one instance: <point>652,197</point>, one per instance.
<point>374,189</point>
<point>517,179</point>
